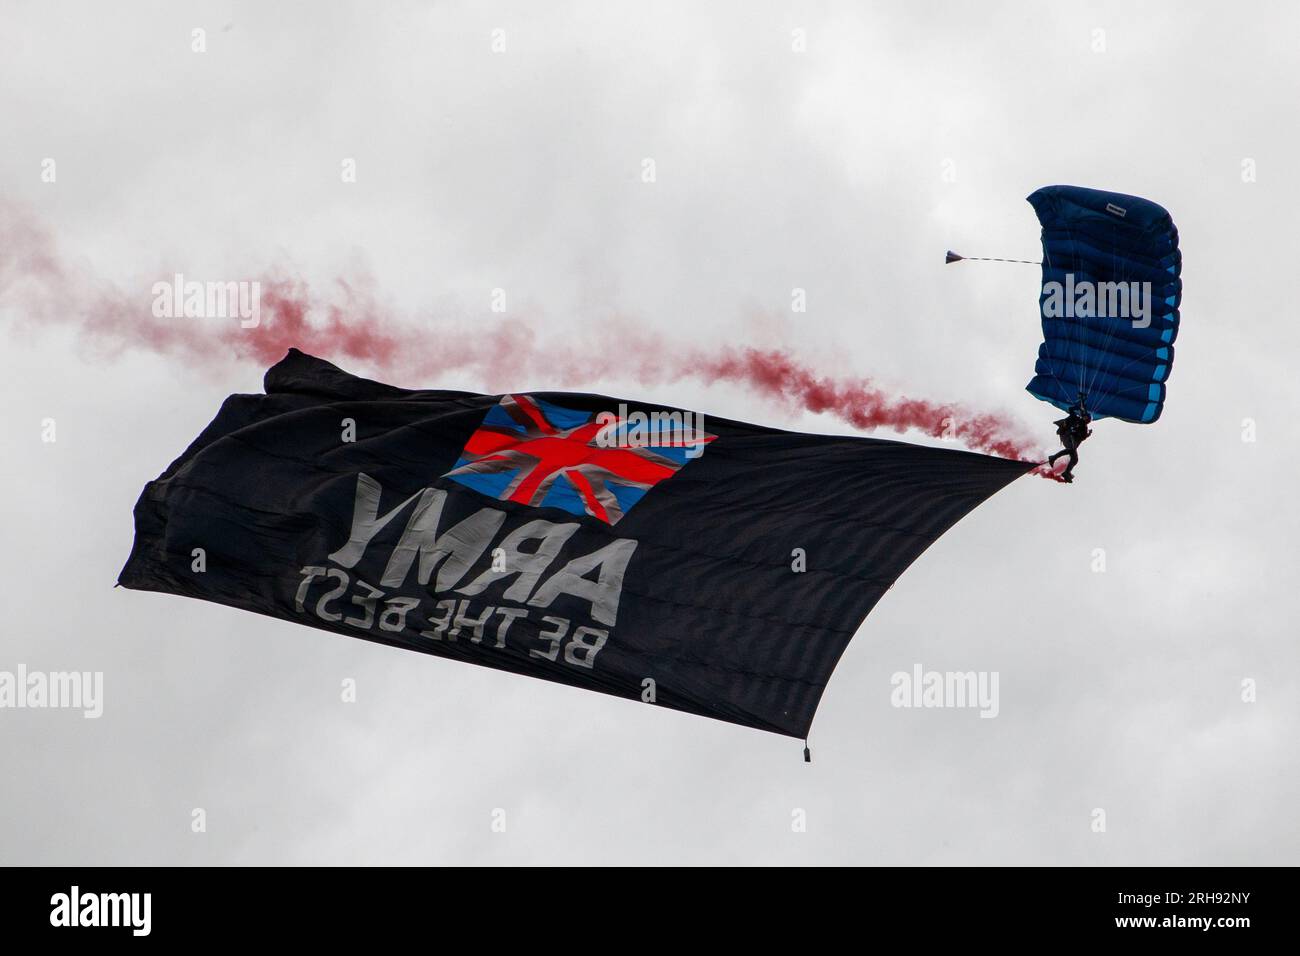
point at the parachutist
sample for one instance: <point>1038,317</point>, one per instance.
<point>1073,430</point>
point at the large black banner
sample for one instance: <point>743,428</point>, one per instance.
<point>706,565</point>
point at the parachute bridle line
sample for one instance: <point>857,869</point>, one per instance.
<point>1028,262</point>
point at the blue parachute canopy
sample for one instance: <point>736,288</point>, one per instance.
<point>1109,302</point>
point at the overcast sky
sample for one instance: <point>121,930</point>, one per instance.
<point>847,169</point>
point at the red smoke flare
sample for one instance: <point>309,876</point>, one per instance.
<point>39,287</point>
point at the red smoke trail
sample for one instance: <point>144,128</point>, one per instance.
<point>863,405</point>
<point>39,287</point>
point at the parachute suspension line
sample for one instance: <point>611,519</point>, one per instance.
<point>1047,256</point>
<point>1110,333</point>
<point>1075,265</point>
<point>952,257</point>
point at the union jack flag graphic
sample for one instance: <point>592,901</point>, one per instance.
<point>537,453</point>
